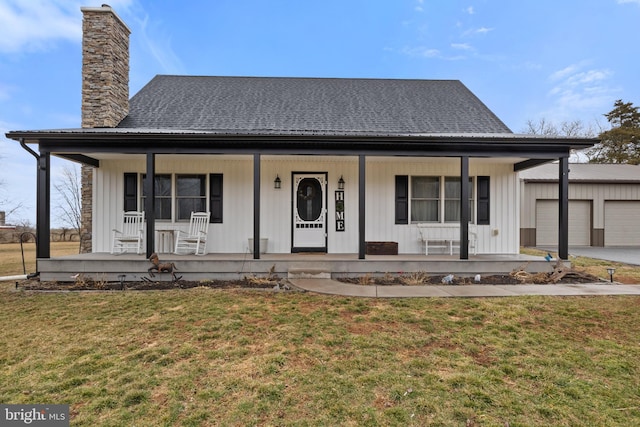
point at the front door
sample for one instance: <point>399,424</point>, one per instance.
<point>309,212</point>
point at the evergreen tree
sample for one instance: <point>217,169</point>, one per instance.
<point>621,143</point>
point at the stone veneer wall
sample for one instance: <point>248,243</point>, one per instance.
<point>105,88</point>
<point>86,214</point>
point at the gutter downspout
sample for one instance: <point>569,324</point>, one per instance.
<point>26,147</point>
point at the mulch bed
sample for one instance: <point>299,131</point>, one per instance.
<point>505,279</point>
<point>275,283</point>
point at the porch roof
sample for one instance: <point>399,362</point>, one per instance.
<point>161,141</point>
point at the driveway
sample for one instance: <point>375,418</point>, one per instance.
<point>624,254</point>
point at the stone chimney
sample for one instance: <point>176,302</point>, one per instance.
<point>105,68</point>
<point>105,89</point>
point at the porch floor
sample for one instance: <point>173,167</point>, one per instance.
<point>107,267</point>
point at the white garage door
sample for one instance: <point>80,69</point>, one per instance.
<point>621,223</point>
<point>579,222</point>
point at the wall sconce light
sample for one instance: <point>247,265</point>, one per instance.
<point>277,183</point>
<point>611,270</point>
<point>341,183</point>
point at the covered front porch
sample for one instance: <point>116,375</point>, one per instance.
<point>133,267</point>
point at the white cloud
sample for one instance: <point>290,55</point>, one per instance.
<point>484,30</point>
<point>567,71</point>
<point>461,46</point>
<point>34,25</point>
<point>470,10</point>
<point>629,1</point>
<point>421,51</point>
<point>577,90</point>
<point>158,44</point>
<point>588,77</point>
<point>477,31</point>
<point>430,53</point>
<point>419,7</point>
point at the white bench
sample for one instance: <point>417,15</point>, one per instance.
<point>445,237</point>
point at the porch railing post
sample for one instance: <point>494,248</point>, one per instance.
<point>150,202</point>
<point>43,209</point>
<point>563,209</point>
<point>464,207</point>
<point>256,206</point>
<point>361,206</point>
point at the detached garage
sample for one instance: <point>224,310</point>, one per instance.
<point>604,205</point>
<point>579,222</point>
<point>621,223</point>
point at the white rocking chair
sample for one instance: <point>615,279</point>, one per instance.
<point>195,240</point>
<point>130,237</point>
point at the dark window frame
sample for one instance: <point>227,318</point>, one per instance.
<point>134,195</point>
<point>185,199</point>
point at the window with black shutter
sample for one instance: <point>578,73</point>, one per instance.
<point>130,192</point>
<point>483,200</point>
<point>402,199</point>
<point>215,197</point>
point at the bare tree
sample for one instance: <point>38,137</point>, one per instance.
<point>541,127</point>
<point>69,190</point>
<point>570,129</point>
<point>574,128</point>
<point>6,205</point>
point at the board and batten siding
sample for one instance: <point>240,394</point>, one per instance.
<point>501,236</point>
<point>231,236</point>
<point>276,207</point>
<point>237,208</point>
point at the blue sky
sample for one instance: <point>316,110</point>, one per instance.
<point>526,60</point>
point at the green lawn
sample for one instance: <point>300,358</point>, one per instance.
<point>11,256</point>
<point>212,357</point>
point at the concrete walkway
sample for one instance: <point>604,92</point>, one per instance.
<point>333,287</point>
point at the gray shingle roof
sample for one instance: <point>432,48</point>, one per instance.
<point>310,105</point>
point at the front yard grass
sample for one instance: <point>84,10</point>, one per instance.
<point>203,357</point>
<point>11,256</point>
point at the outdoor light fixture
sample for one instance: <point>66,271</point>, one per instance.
<point>341,183</point>
<point>277,183</point>
<point>611,270</point>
